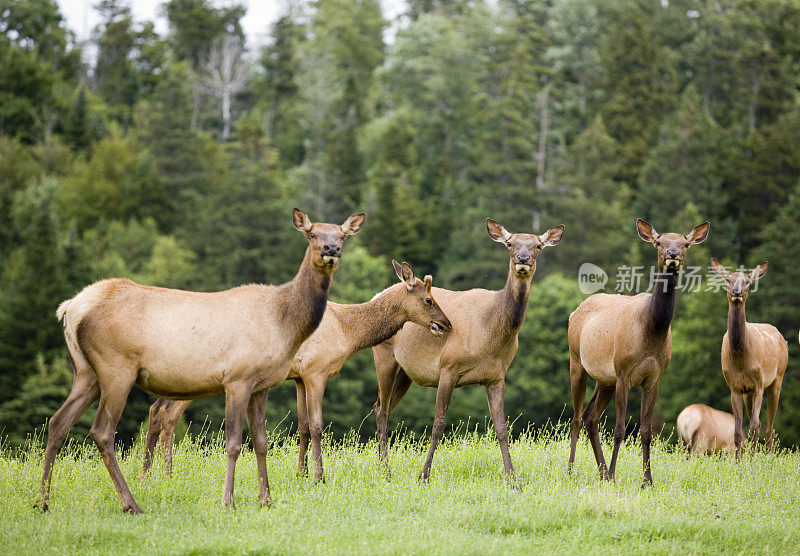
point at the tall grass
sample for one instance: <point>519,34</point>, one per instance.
<point>698,505</point>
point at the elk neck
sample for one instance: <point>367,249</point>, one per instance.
<point>736,326</point>
<point>513,301</point>
<point>304,298</point>
<point>662,303</point>
<point>371,323</point>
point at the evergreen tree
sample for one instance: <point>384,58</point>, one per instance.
<point>776,302</point>
<point>31,287</point>
<point>639,85</point>
<point>687,165</point>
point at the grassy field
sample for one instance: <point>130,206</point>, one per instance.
<point>702,505</point>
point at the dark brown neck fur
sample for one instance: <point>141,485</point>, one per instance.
<point>513,301</point>
<point>662,303</point>
<point>303,300</point>
<point>368,324</point>
<point>736,326</point>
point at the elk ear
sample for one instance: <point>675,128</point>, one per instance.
<point>699,233</point>
<point>552,236</point>
<point>496,231</point>
<point>718,269</point>
<point>353,224</point>
<point>428,282</point>
<point>300,220</point>
<point>646,231</point>
<point>758,271</point>
<point>407,276</point>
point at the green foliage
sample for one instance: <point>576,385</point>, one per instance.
<point>588,114</point>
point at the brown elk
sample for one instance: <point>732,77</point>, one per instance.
<point>705,430</point>
<point>754,358</point>
<point>181,344</point>
<point>344,330</point>
<point>623,342</point>
<point>479,350</point>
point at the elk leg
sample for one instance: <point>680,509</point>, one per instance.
<point>773,396</point>
<point>302,427</point>
<point>400,386</point>
<point>755,420</point>
<point>85,390</point>
<point>578,377</point>
<point>495,392</point>
<point>171,414</point>
<point>237,398</point>
<point>112,401</point>
<point>385,368</point>
<point>591,418</point>
<point>154,428</point>
<point>314,395</point>
<point>649,396</point>
<point>256,410</point>
<point>443,393</point>
<point>736,408</point>
<point>621,403</point>
<point>748,405</point>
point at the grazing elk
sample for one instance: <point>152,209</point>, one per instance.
<point>479,350</point>
<point>181,344</point>
<point>344,330</point>
<point>705,430</point>
<point>623,342</point>
<point>754,358</point>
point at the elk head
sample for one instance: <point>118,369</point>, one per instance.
<point>671,247</point>
<point>523,248</point>
<point>326,240</point>
<point>738,283</point>
<point>419,304</point>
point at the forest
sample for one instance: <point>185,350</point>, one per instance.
<point>175,159</point>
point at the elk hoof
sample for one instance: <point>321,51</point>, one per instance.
<point>647,483</point>
<point>133,509</point>
<point>267,503</point>
<point>44,506</point>
<point>423,478</point>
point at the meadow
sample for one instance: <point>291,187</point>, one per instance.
<point>698,505</point>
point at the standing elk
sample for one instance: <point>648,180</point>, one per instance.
<point>705,430</point>
<point>754,358</point>
<point>623,342</point>
<point>479,350</point>
<point>180,344</point>
<point>344,330</point>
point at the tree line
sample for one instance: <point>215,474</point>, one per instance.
<point>175,160</point>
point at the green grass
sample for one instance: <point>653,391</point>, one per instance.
<point>702,505</point>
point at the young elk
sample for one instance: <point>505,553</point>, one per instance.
<point>478,350</point>
<point>705,430</point>
<point>344,330</point>
<point>181,344</point>
<point>754,358</point>
<point>622,342</point>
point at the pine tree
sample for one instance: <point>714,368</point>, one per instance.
<point>640,84</point>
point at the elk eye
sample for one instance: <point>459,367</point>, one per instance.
<point>428,301</point>
<point>312,235</point>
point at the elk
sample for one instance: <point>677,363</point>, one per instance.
<point>344,330</point>
<point>754,358</point>
<point>623,342</point>
<point>181,344</point>
<point>705,430</point>
<point>479,349</point>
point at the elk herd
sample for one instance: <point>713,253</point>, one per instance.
<point>180,345</point>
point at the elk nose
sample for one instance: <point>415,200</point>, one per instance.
<point>673,254</point>
<point>737,293</point>
<point>332,249</point>
<point>523,258</point>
